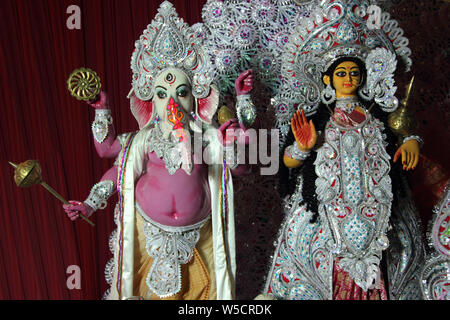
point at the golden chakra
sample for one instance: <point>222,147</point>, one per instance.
<point>84,84</point>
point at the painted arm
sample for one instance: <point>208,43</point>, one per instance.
<point>97,198</point>
<point>305,139</point>
<point>245,109</point>
<point>105,140</point>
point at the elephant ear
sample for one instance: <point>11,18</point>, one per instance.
<point>207,107</point>
<point>143,111</point>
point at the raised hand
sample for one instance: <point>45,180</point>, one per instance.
<point>101,102</point>
<point>410,152</point>
<point>244,83</point>
<point>304,132</point>
<point>74,208</point>
<point>227,132</point>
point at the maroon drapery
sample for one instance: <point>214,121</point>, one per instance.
<point>41,121</point>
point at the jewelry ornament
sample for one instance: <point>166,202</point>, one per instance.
<point>100,194</point>
<point>328,95</point>
<point>100,126</point>
<point>168,42</point>
<point>435,273</point>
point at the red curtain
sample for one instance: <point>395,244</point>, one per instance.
<point>41,121</point>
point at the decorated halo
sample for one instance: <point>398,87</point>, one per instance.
<point>340,28</point>
<point>168,42</point>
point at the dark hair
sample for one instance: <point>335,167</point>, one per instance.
<point>288,179</point>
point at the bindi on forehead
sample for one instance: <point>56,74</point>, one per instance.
<point>170,79</point>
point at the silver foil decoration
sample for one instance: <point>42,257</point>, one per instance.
<point>354,192</point>
<point>168,42</point>
<point>100,126</point>
<point>435,275</point>
<point>170,247</point>
<point>171,150</point>
<point>246,110</point>
<point>332,30</point>
<point>100,194</point>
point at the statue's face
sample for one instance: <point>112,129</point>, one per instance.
<point>173,99</point>
<point>346,79</point>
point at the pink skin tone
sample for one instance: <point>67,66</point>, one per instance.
<point>74,209</point>
<point>173,200</point>
<point>110,147</point>
<point>243,85</point>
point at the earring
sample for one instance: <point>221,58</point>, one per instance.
<point>194,116</point>
<point>328,95</point>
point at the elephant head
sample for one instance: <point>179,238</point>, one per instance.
<point>173,102</point>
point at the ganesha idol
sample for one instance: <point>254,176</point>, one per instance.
<point>174,216</point>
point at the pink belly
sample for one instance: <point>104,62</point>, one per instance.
<point>174,200</point>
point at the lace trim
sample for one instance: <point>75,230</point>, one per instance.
<point>171,151</point>
<point>170,247</point>
<point>100,194</point>
<point>100,126</point>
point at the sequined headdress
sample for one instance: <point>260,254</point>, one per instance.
<point>335,29</point>
<point>168,42</point>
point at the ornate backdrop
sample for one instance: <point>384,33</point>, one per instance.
<point>41,121</point>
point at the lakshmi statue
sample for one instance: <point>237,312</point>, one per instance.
<point>344,161</point>
<point>175,223</point>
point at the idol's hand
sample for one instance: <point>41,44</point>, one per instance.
<point>231,131</point>
<point>410,152</point>
<point>244,83</point>
<point>74,208</point>
<point>304,132</point>
<point>101,102</point>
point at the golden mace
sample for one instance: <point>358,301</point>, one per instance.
<point>29,173</point>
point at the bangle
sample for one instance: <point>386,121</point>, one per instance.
<point>246,111</point>
<point>101,124</point>
<point>99,195</point>
<point>414,137</point>
<point>295,153</point>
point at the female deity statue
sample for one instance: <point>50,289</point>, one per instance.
<point>175,223</point>
<point>337,223</point>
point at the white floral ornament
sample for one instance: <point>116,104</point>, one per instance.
<point>381,65</point>
<point>242,35</point>
<point>168,42</point>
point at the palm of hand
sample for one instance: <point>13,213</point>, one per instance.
<point>304,132</point>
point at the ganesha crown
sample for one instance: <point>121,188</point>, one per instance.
<point>168,42</point>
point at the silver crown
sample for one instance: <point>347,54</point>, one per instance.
<point>168,42</point>
<point>335,29</point>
